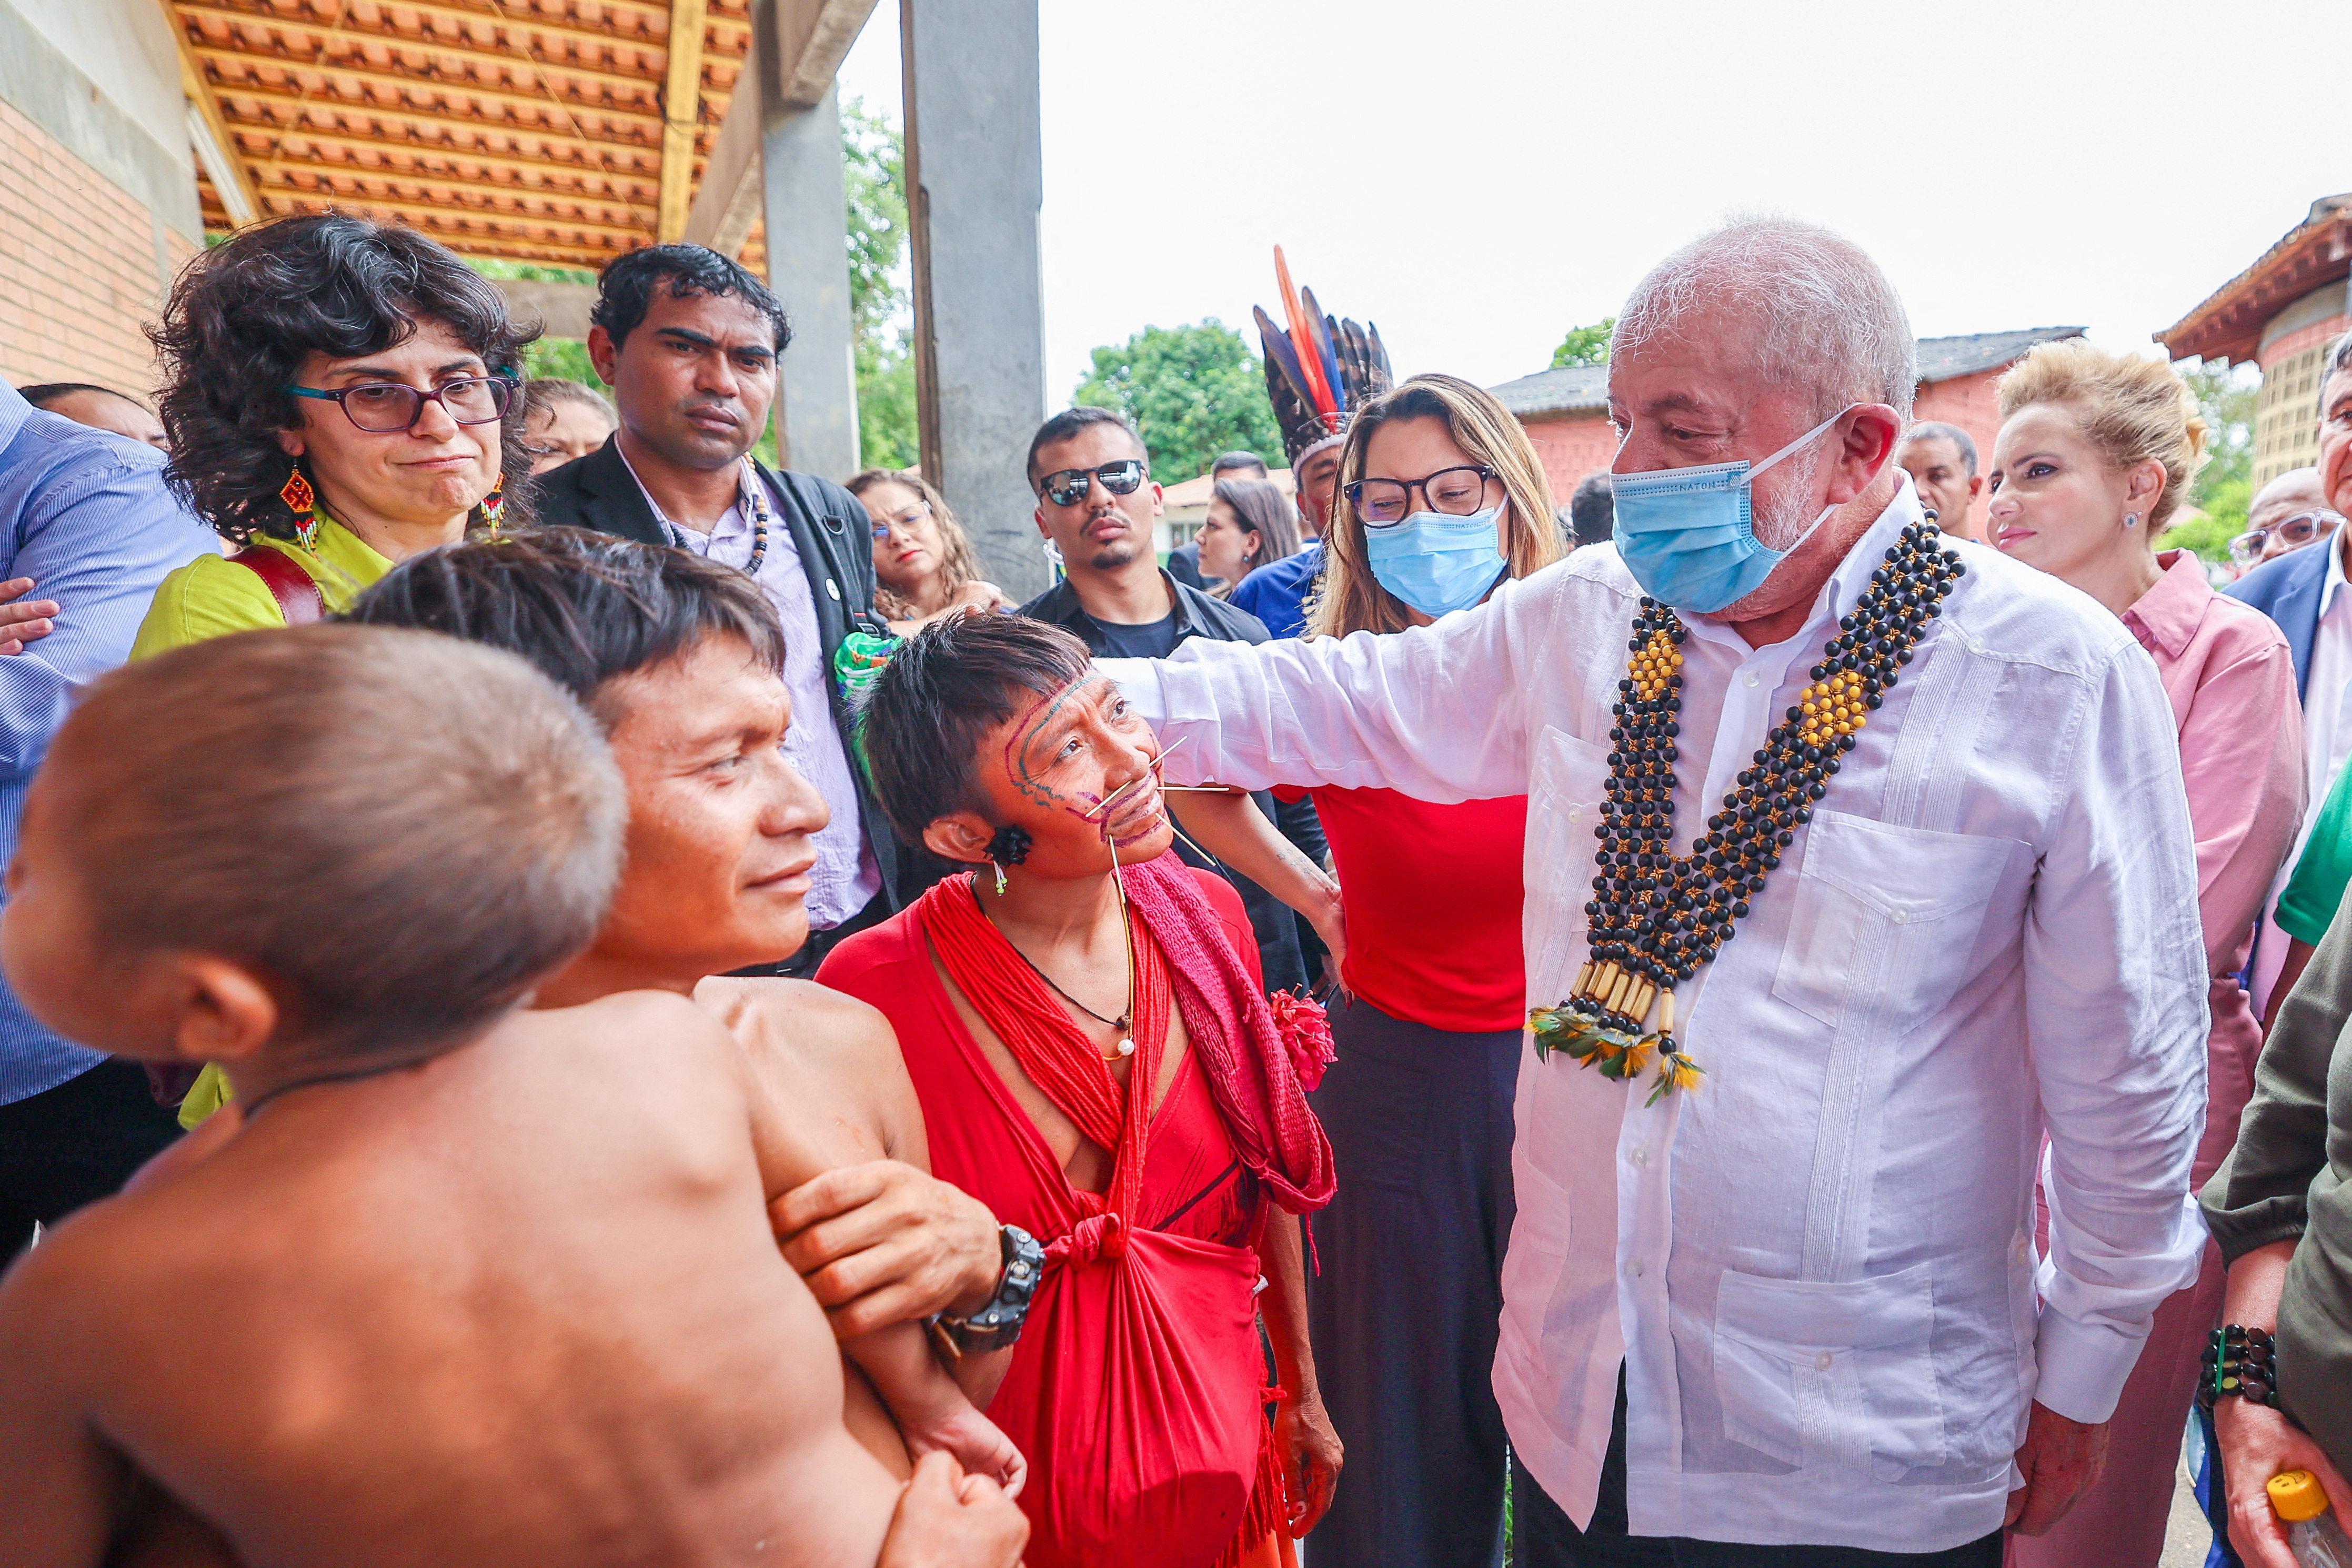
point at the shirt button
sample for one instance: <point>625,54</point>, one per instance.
<point>1752,680</point>
<point>1822,1361</point>
<point>1641,1156</point>
<point>1902,917</point>
<point>1635,1268</point>
<point>1576,813</point>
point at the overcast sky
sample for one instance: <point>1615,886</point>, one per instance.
<point>1477,176</point>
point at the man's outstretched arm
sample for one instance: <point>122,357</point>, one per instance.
<point>1439,712</point>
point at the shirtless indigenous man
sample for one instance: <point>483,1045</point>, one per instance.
<point>472,1285</point>
<point>678,659</point>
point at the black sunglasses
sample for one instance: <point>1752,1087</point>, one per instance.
<point>1069,487</point>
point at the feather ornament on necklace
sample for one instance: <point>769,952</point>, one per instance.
<point>1655,917</point>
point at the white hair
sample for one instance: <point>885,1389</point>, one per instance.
<point>1823,316</point>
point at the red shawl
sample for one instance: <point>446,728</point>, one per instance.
<point>1137,1391</point>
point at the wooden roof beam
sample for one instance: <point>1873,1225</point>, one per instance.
<point>682,117</point>
<point>813,38</point>
<point>215,149</point>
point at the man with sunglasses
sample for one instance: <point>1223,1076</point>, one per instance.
<point>688,341</point>
<point>1097,503</point>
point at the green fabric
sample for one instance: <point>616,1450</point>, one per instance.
<point>212,597</point>
<point>2324,869</point>
<point>2285,1180</point>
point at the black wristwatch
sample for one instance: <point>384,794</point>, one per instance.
<point>997,1324</point>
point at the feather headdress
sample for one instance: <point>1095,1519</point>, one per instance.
<point>1319,369</point>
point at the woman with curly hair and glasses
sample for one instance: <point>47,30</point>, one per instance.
<point>924,566</point>
<point>340,395</point>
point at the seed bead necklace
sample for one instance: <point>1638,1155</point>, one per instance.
<point>1655,918</point>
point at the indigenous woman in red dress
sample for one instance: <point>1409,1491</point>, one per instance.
<point>1097,1062</point>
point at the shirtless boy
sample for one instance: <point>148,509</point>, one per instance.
<point>468,1284</point>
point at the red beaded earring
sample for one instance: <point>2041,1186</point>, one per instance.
<point>302,502</point>
<point>494,504</point>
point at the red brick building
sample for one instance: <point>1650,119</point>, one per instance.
<point>1566,412</point>
<point>2281,313</point>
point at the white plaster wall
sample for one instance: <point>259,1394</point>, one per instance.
<point>126,48</point>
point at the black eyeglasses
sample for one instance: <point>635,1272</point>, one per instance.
<point>1069,487</point>
<point>383,407</point>
<point>1456,492</point>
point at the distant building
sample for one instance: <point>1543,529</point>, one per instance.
<point>1566,412</point>
<point>2281,313</point>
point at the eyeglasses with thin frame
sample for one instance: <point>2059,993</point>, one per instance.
<point>2294,532</point>
<point>386,407</point>
<point>1069,487</point>
<point>919,512</point>
<point>1456,492</point>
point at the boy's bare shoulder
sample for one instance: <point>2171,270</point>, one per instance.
<point>799,1031</point>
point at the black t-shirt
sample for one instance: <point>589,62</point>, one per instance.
<point>1152,640</point>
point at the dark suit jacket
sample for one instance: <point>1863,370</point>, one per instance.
<point>834,539</point>
<point>2287,590</point>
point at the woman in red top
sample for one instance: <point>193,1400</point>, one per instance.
<point>1418,1105</point>
<point>1097,1063</point>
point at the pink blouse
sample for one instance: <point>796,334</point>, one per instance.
<point>2231,681</point>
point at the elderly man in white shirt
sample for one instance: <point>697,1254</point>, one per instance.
<point>1773,1294</point>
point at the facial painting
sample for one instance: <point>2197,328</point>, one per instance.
<point>1073,751</point>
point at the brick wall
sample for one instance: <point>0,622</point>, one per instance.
<point>1571,446</point>
<point>81,267</point>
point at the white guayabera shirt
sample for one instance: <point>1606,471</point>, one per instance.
<point>1818,1268</point>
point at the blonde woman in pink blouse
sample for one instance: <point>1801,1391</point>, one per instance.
<point>2095,455</point>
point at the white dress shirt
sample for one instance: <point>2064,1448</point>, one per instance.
<point>845,877</point>
<point>1818,1268</point>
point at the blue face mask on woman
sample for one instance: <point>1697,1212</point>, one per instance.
<point>1688,535</point>
<point>1435,563</point>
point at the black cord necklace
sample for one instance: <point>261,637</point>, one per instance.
<point>1124,1023</point>
<point>1655,918</point>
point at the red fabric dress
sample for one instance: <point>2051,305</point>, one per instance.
<point>1136,1389</point>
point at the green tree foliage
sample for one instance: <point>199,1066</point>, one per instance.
<point>2225,488</point>
<point>1584,346</point>
<point>874,170</point>
<point>1193,391</point>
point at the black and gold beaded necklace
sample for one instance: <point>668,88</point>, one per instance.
<point>1655,918</point>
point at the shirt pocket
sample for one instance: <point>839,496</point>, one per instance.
<point>1570,781</point>
<point>1813,1373</point>
<point>1885,916</point>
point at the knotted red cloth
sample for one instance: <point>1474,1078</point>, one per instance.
<point>1136,1391</point>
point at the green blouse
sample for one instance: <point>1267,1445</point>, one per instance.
<point>212,597</point>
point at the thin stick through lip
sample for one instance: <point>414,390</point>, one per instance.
<point>1137,779</point>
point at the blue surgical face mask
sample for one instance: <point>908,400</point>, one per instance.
<point>1437,564</point>
<point>1688,535</point>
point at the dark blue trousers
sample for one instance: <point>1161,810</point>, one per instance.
<point>1543,1536</point>
<point>1404,1312</point>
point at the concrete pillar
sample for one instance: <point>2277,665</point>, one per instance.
<point>975,181</point>
<point>805,209</point>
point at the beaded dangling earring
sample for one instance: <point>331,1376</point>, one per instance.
<point>1009,848</point>
<point>494,504</point>
<point>302,502</point>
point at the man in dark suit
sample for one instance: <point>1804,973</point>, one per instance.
<point>689,341</point>
<point>2289,581</point>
